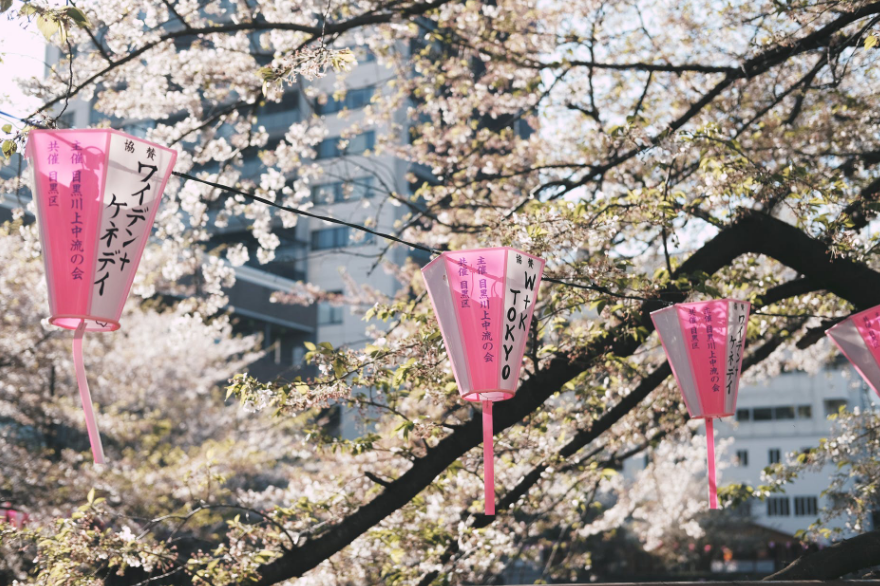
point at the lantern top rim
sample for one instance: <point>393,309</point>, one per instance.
<point>689,303</point>
<point>54,131</point>
<point>452,252</point>
<point>853,317</point>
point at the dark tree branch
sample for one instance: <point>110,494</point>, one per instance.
<point>754,233</point>
<point>652,67</point>
<point>846,557</point>
<point>584,437</point>
<point>377,480</point>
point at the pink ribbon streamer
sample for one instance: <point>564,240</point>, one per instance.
<point>488,458</point>
<point>710,456</point>
<point>85,396</point>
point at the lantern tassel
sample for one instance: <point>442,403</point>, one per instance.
<point>488,458</point>
<point>710,457</point>
<point>85,396</point>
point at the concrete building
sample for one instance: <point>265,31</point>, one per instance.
<point>783,417</point>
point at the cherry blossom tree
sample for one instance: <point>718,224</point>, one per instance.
<point>650,153</point>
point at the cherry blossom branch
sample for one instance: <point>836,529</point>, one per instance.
<point>755,233</point>
<point>367,19</point>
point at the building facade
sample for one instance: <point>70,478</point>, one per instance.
<point>776,421</point>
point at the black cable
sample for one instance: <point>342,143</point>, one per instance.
<point>306,213</point>
<point>385,235</point>
<point>302,212</point>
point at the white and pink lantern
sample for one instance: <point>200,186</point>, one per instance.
<point>704,342</point>
<point>858,337</point>
<point>484,300</point>
<point>97,192</point>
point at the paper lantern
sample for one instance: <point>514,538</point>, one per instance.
<point>484,300</point>
<point>858,337</point>
<point>97,193</point>
<point>16,519</point>
<point>704,343</point>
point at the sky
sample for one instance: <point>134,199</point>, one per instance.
<point>22,55</point>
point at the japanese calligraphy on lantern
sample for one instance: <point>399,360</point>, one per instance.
<point>97,193</point>
<point>736,332</point>
<point>477,316</point>
<point>704,342</point>
<point>484,300</point>
<point>523,274</point>
<point>858,337</point>
<point>135,176</point>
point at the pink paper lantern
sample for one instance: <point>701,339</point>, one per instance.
<point>484,300</point>
<point>858,337</point>
<point>16,519</point>
<point>97,192</point>
<point>704,343</point>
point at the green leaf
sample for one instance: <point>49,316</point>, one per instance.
<point>342,60</point>
<point>78,17</point>
<point>8,148</point>
<point>48,26</point>
<point>870,41</point>
<point>310,346</point>
<point>7,128</point>
<point>91,496</point>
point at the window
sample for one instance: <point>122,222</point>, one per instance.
<point>354,99</point>
<point>763,414</point>
<point>778,506</point>
<point>289,103</point>
<point>299,354</point>
<point>742,458</point>
<point>329,314</point>
<point>358,144</point>
<point>774,456</point>
<point>336,238</point>
<point>805,506</point>
<point>280,115</point>
<point>340,191</point>
<point>783,412</point>
<point>832,406</point>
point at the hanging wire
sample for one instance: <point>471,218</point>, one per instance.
<point>302,212</point>
<point>415,245</point>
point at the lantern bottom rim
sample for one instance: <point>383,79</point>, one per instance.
<point>713,416</point>
<point>93,324</point>
<point>493,395</point>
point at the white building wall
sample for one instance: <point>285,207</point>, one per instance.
<point>812,399</point>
